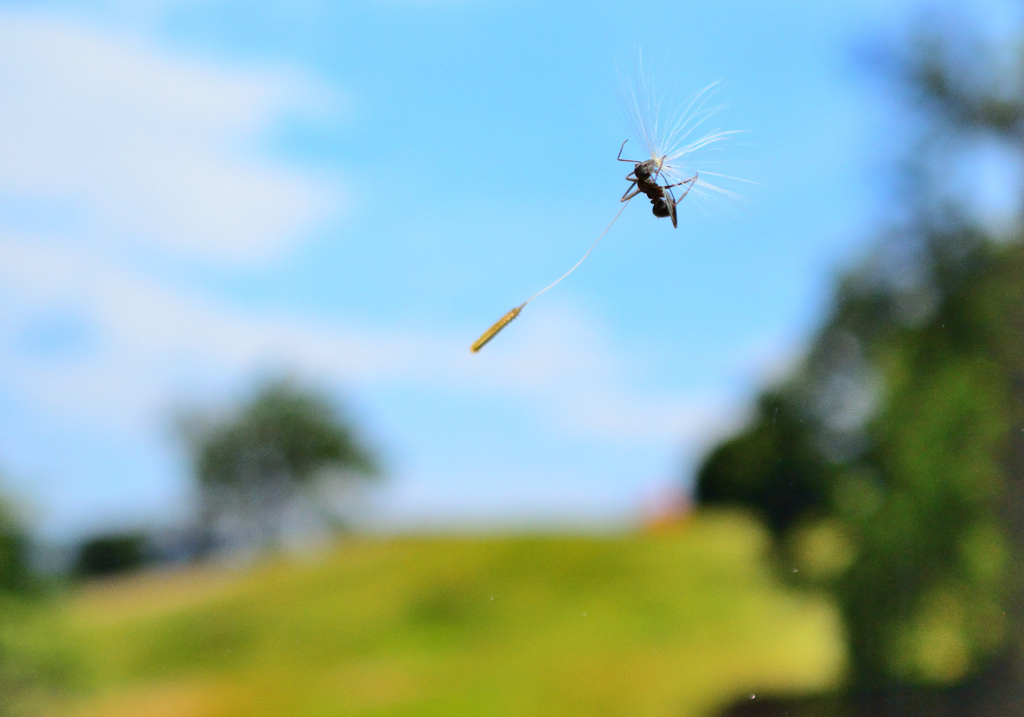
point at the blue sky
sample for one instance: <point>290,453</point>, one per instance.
<point>194,195</point>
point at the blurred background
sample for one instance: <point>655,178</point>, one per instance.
<point>768,463</point>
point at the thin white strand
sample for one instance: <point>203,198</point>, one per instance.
<point>674,147</point>
<point>689,116</point>
<point>728,176</point>
<point>576,265</point>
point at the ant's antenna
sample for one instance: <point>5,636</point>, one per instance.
<point>510,316</point>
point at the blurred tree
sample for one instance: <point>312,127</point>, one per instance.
<point>111,554</point>
<point>15,576</point>
<point>29,677</point>
<point>253,466</point>
<point>890,464</point>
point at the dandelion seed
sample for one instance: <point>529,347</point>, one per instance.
<point>678,140</point>
<point>493,331</point>
<point>672,146</point>
<point>507,318</point>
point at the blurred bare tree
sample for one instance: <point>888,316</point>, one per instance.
<point>257,463</point>
<point>890,465</point>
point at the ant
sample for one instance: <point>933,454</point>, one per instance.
<point>645,178</point>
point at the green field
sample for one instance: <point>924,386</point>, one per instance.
<point>670,624</point>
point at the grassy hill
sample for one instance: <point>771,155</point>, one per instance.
<point>667,624</point>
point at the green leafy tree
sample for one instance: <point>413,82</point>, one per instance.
<point>31,678</point>
<point>890,464</point>
<point>15,576</point>
<point>111,554</point>
<point>253,465</point>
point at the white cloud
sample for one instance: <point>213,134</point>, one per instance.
<point>154,340</point>
<point>148,148</point>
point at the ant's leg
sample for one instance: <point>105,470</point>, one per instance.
<point>692,181</point>
<point>685,181</point>
<point>683,196</point>
<point>671,202</point>
<point>632,184</point>
<point>627,195</point>
<point>620,154</point>
<point>657,172</point>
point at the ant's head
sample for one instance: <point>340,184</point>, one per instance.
<point>647,169</point>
